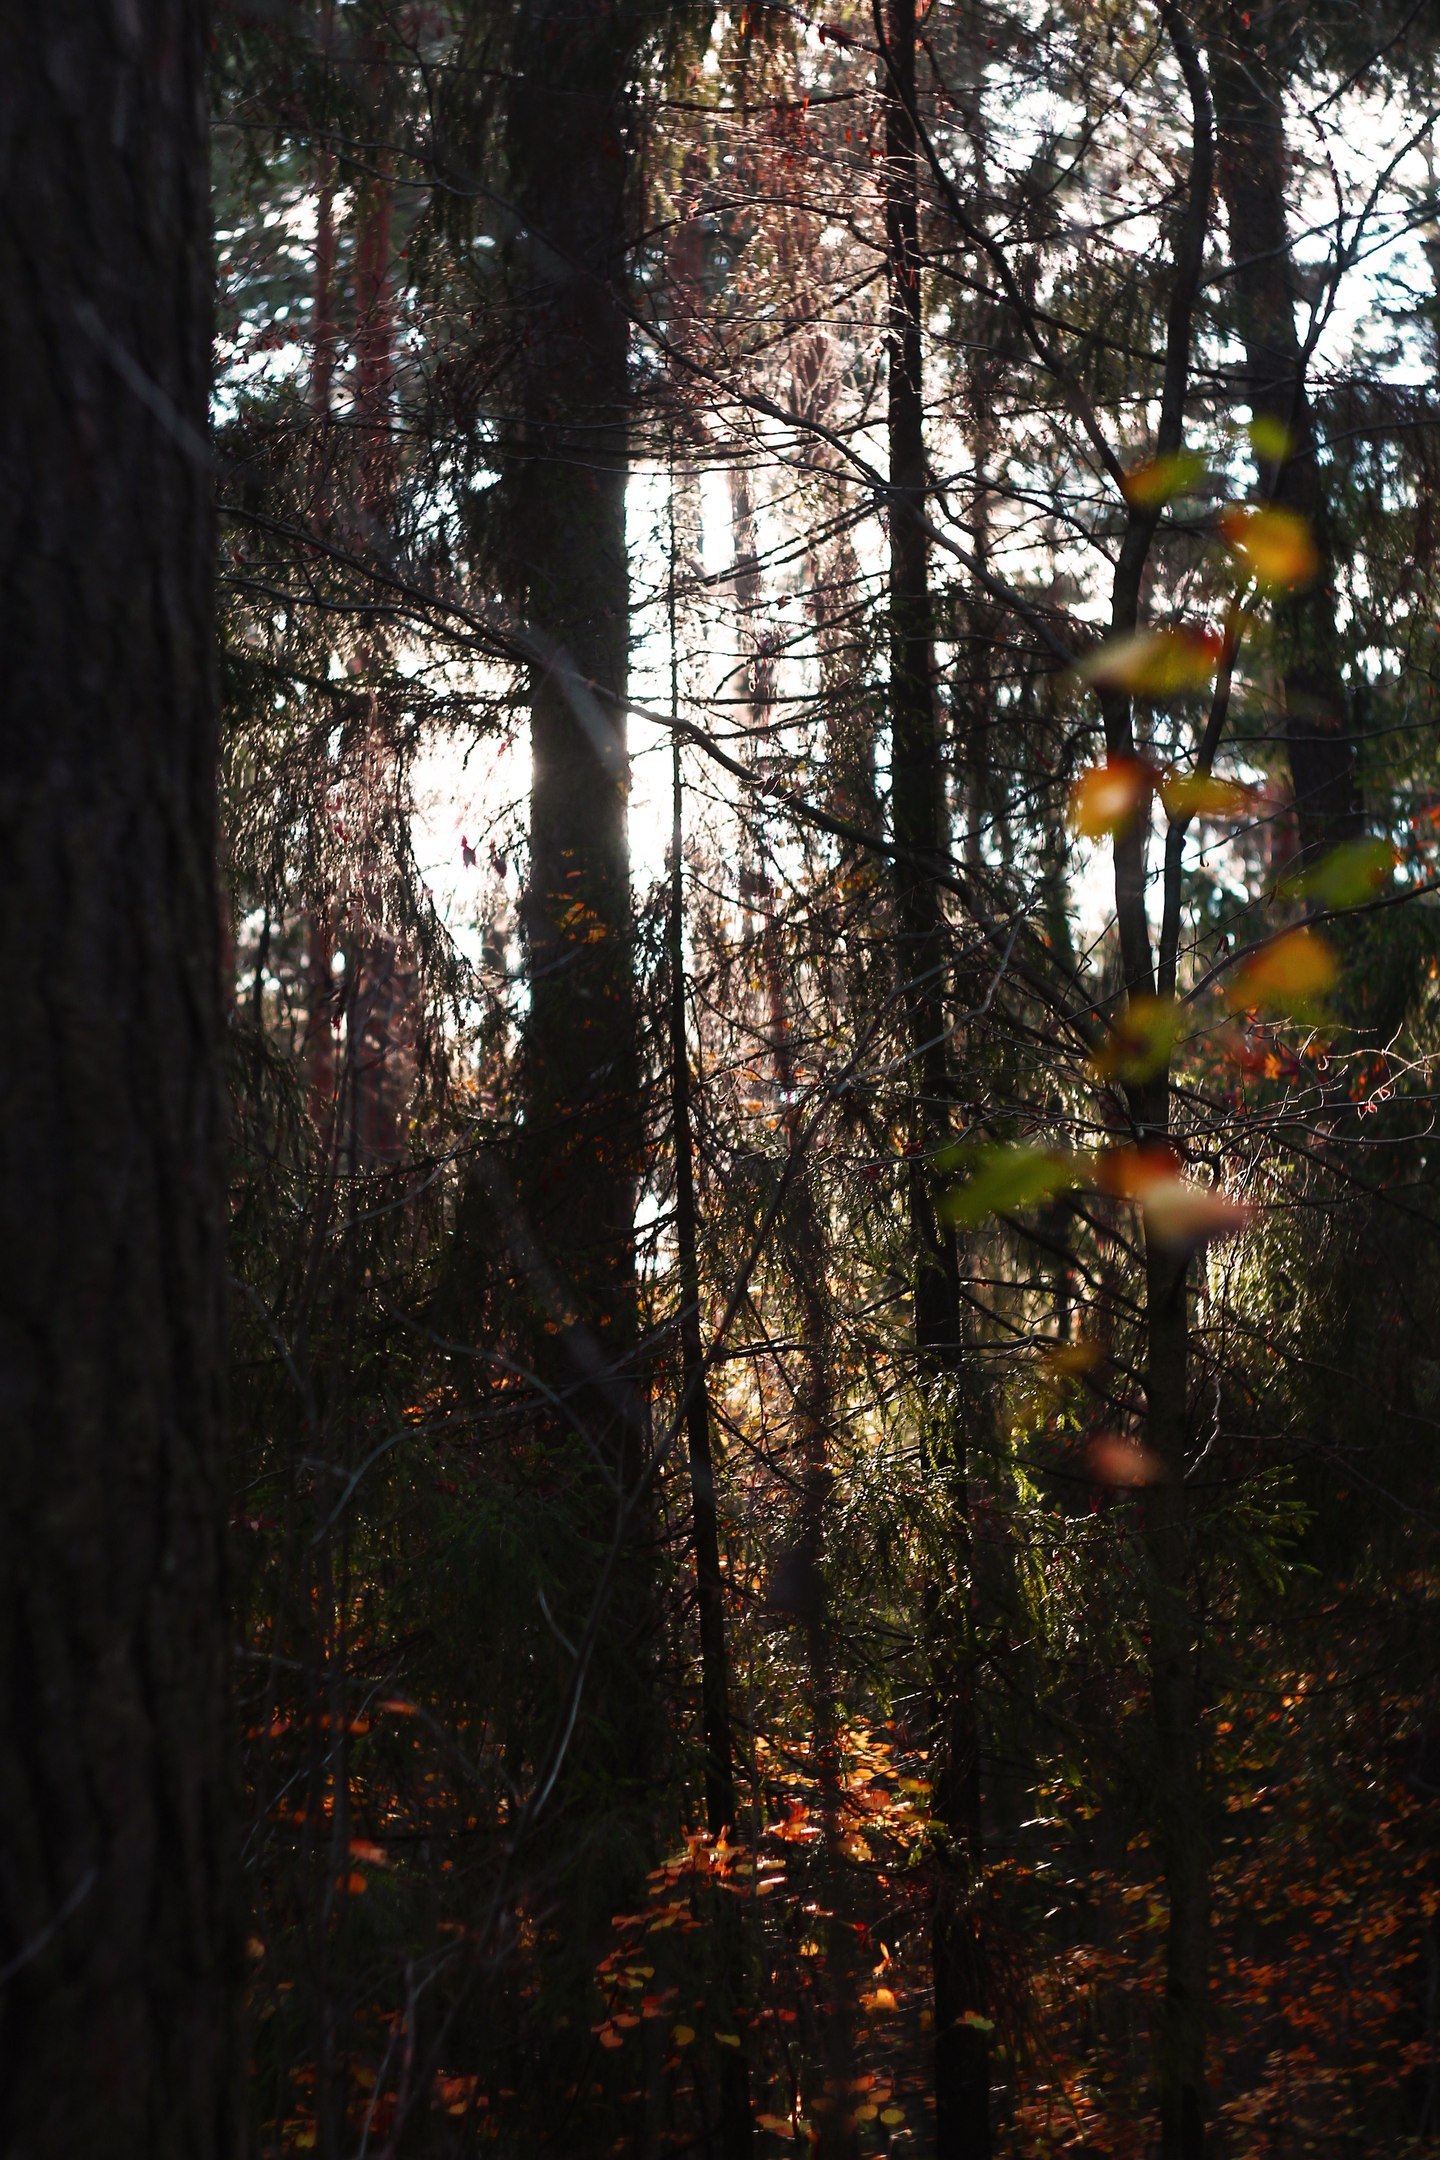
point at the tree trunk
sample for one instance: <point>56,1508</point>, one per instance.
<point>737,2129</point>
<point>118,1937</point>
<point>580,1145</point>
<point>1247,89</point>
<point>962,2078</point>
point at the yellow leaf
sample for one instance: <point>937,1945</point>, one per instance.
<point>728,2039</point>
<point>682,2035</point>
<point>1152,485</point>
<point>1154,663</point>
<point>881,1999</point>
<point>1188,795</point>
<point>1288,975</point>
<point>1270,439</point>
<point>891,2116</point>
<point>1276,546</point>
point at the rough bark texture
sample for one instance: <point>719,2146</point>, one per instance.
<point>1247,79</point>
<point>962,2079</point>
<point>117,1948</point>
<point>582,1132</point>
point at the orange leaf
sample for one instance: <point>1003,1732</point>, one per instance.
<point>1276,546</point>
<point>1110,1459</point>
<point>1152,485</point>
<point>1105,798</point>
<point>1287,975</point>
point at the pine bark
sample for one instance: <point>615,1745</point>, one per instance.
<point>117,1932</point>
<point>571,1225</point>
<point>1247,87</point>
<point>920,818</point>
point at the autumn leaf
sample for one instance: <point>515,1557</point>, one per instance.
<point>1106,797</point>
<point>1111,1459</point>
<point>1141,1040</point>
<point>682,2035</point>
<point>879,1999</point>
<point>1003,1179</point>
<point>1178,1210</point>
<point>1154,663</point>
<point>1276,546</point>
<point>1290,975</point>
<point>1152,485</point>
<point>1072,1360</point>
<point>1270,439</point>
<point>1345,877</point>
<point>1190,795</point>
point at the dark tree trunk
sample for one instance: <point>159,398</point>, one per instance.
<point>962,2076</point>
<point>1247,84</point>
<point>582,1125</point>
<point>571,1225</point>
<point>117,1935</point>
<point>737,2130</point>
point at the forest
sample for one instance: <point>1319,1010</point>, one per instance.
<point>718,1190</point>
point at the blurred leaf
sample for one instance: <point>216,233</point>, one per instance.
<point>1151,486</point>
<point>1129,1171</point>
<point>1276,546</point>
<point>1104,798</point>
<point>1072,1360</point>
<point>1270,439</point>
<point>1111,1459</point>
<point>1348,875</point>
<point>1154,663</point>
<point>1189,795</point>
<point>1290,975</point>
<point>1005,1178</point>
<point>1140,1041</point>
<point>1178,1210</point>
